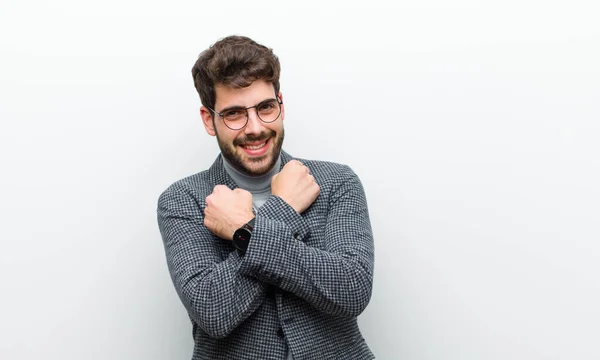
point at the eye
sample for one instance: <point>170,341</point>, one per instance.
<point>267,106</point>
<point>233,113</point>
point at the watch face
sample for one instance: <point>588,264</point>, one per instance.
<point>241,237</point>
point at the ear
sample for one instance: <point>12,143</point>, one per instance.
<point>207,120</point>
<point>282,106</point>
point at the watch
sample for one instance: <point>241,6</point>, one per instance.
<point>241,237</point>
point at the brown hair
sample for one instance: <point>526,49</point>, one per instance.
<point>234,61</point>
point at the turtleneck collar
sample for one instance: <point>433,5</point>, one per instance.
<point>251,183</point>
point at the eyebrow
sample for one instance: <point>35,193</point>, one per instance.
<point>237,107</point>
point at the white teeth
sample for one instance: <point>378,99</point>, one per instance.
<point>255,147</point>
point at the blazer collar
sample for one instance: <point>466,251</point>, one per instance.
<point>218,175</point>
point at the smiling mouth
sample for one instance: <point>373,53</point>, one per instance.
<point>254,146</point>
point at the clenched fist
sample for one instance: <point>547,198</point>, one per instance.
<point>227,210</point>
<point>296,186</point>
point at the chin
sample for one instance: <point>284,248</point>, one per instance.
<point>259,166</point>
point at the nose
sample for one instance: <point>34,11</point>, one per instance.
<point>254,125</point>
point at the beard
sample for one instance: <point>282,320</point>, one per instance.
<point>252,166</point>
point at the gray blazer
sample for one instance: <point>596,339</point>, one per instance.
<point>301,284</point>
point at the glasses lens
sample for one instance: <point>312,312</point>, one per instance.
<point>235,118</point>
<point>269,110</point>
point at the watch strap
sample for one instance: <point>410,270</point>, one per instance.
<point>248,227</point>
<point>250,224</point>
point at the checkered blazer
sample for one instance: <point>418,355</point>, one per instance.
<point>300,285</point>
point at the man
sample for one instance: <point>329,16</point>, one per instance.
<point>271,256</point>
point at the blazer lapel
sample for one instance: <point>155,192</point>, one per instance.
<point>285,158</point>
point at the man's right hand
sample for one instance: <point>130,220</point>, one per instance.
<point>296,186</point>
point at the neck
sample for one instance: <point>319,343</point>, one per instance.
<point>252,183</point>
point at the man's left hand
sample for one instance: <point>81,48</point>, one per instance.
<point>227,210</point>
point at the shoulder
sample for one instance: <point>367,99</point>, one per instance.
<point>328,173</point>
<point>199,182</point>
<point>322,170</point>
<point>326,168</point>
<point>189,192</point>
<point>199,185</point>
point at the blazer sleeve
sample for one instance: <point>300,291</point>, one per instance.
<point>336,280</point>
<point>217,296</point>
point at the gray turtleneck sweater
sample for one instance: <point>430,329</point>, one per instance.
<point>259,186</point>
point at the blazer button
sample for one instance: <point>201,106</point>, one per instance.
<point>297,235</point>
<point>280,333</point>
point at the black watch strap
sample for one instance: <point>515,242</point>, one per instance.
<point>241,237</point>
<point>250,224</point>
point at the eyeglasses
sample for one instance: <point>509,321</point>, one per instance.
<point>236,117</point>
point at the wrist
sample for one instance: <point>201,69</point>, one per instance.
<point>288,202</point>
<point>241,237</point>
<point>240,221</point>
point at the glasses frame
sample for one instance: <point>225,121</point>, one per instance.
<point>279,101</point>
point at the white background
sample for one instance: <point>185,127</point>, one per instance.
<point>473,125</point>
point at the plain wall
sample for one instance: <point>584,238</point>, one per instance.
<point>474,127</point>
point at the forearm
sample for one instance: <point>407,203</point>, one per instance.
<point>217,296</point>
<point>336,279</point>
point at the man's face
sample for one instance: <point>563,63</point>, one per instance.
<point>255,148</point>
